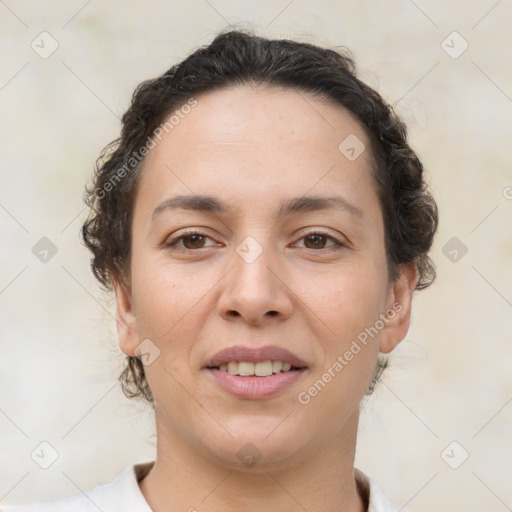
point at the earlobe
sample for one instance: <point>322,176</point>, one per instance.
<point>125,317</point>
<point>399,308</point>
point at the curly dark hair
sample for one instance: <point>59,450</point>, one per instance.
<point>239,57</point>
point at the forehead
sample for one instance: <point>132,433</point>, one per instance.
<point>264,114</point>
<point>252,143</point>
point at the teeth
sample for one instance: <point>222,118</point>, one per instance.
<point>277,366</point>
<point>246,368</point>
<point>261,369</point>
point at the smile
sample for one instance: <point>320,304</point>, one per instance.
<point>254,387</point>
<point>261,369</point>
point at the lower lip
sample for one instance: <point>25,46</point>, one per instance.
<point>255,387</point>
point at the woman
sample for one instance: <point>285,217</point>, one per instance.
<point>263,223</point>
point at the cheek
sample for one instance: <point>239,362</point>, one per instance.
<point>347,298</point>
<point>167,297</point>
<point>348,303</point>
<point>348,309</point>
<point>171,304</point>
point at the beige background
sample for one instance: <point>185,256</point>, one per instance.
<point>450,380</point>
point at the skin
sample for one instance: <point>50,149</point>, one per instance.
<point>252,147</point>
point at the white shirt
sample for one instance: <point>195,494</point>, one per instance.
<point>123,494</point>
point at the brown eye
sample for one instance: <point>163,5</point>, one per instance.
<point>320,241</point>
<point>193,241</point>
<point>189,242</point>
<point>315,241</point>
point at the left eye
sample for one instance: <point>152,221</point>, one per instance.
<point>319,241</point>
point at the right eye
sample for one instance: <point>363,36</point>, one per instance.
<point>189,241</point>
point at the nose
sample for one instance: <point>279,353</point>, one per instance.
<point>253,291</point>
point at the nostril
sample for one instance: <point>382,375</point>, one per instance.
<point>272,313</point>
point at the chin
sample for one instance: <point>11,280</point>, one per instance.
<point>255,450</point>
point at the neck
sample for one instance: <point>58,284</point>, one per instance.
<point>320,478</point>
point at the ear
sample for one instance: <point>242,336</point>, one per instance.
<point>126,318</point>
<point>398,310</point>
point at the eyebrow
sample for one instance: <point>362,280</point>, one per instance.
<point>210,204</point>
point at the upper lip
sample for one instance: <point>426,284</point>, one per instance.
<point>254,355</point>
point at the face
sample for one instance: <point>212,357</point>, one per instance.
<point>253,228</point>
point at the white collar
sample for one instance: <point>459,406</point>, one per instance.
<point>128,480</point>
<point>123,494</point>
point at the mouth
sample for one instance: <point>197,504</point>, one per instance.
<point>253,387</point>
<point>255,373</point>
<point>259,369</point>
<point>255,360</point>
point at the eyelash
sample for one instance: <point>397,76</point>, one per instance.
<point>173,242</point>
